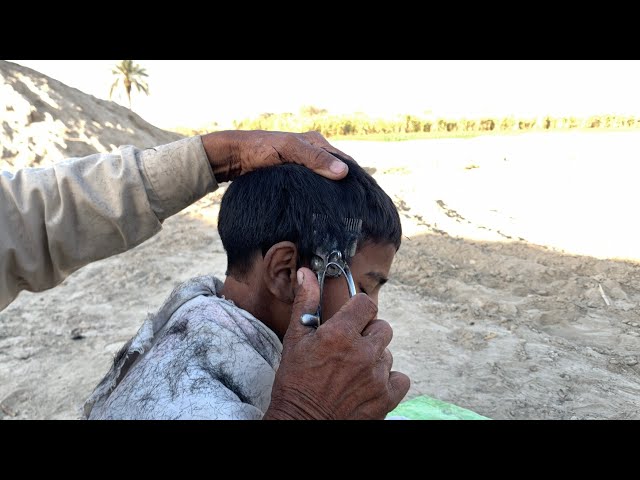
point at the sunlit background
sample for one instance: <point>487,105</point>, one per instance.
<point>577,166</point>
<point>516,290</point>
<point>195,93</point>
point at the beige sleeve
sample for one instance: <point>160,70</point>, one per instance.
<point>55,220</point>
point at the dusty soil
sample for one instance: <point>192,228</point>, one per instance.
<point>515,292</point>
<point>503,326</point>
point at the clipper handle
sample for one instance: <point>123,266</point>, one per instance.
<point>315,321</point>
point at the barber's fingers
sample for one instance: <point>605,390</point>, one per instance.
<point>314,154</point>
<point>386,359</point>
<point>353,316</point>
<point>399,385</point>
<point>315,138</point>
<point>380,333</point>
<point>307,299</point>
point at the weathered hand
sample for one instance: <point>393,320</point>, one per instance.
<point>342,369</point>
<point>235,152</point>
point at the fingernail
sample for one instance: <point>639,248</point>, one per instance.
<point>337,166</point>
<point>300,277</point>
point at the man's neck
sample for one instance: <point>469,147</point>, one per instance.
<point>245,296</point>
<point>249,295</point>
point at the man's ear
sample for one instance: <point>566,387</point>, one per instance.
<point>279,270</point>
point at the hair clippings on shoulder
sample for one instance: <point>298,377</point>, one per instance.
<point>332,263</point>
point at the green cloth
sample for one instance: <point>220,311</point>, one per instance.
<point>427,408</point>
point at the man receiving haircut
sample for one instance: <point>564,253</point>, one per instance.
<point>213,348</point>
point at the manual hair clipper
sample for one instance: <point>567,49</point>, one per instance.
<point>331,260</point>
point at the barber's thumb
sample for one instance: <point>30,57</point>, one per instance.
<point>307,298</point>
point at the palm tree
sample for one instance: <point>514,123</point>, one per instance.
<point>131,75</point>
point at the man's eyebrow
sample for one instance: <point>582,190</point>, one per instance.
<point>380,278</point>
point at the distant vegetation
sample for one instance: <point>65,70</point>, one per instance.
<point>132,75</point>
<point>404,127</point>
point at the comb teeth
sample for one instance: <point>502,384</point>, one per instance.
<point>352,224</point>
<point>319,217</point>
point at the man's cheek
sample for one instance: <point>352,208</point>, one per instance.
<point>374,297</point>
<point>328,307</point>
<point>333,297</point>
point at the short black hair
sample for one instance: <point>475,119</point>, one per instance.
<point>275,204</point>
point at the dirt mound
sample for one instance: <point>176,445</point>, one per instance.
<point>43,120</point>
<point>515,292</point>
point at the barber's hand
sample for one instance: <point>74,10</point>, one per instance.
<point>342,370</point>
<point>235,152</point>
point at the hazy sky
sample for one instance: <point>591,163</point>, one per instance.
<point>193,93</point>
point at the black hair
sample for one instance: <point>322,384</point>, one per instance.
<point>274,204</point>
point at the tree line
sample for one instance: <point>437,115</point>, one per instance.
<point>359,124</point>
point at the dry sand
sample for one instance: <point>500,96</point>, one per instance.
<point>515,292</point>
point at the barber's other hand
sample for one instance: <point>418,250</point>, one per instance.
<point>235,152</point>
<point>342,370</point>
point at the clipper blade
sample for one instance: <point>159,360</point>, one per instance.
<point>334,245</point>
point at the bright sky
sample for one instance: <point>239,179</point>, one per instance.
<point>194,93</point>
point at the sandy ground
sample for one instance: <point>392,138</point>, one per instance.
<point>515,292</point>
